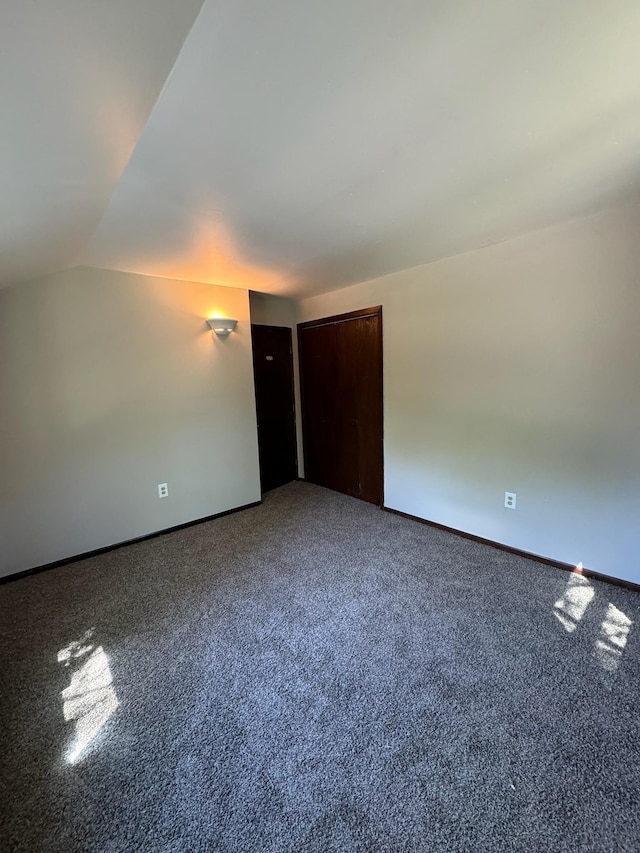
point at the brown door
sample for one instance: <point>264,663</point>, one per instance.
<point>273,377</point>
<point>341,384</point>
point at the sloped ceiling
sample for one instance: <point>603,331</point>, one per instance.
<point>78,80</point>
<point>299,147</point>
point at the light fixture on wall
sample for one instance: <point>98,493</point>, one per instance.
<point>222,325</point>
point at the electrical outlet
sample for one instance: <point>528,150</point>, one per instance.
<point>510,500</point>
<point>163,490</point>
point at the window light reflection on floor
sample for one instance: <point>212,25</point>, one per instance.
<point>571,607</point>
<point>90,699</point>
<point>614,633</point>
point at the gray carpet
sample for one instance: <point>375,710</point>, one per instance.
<point>314,675</point>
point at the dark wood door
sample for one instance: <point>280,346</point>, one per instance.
<point>273,376</point>
<point>341,384</point>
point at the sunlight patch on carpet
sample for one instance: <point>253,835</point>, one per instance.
<point>572,605</point>
<point>611,642</point>
<point>90,699</point>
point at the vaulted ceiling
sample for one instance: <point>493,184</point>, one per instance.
<point>295,147</point>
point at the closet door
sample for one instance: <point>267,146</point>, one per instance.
<point>341,384</point>
<point>317,356</point>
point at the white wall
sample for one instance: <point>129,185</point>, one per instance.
<point>517,367</point>
<point>111,383</point>
<point>268,310</point>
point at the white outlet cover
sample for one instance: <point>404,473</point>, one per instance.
<point>510,499</point>
<point>163,490</point>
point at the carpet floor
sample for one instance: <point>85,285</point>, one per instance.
<point>316,675</point>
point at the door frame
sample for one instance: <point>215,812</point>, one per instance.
<point>374,311</point>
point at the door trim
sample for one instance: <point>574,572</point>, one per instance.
<point>362,313</point>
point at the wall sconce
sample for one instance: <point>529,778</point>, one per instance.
<point>222,325</point>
